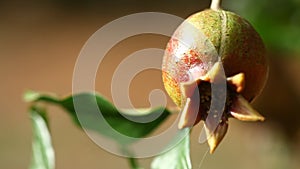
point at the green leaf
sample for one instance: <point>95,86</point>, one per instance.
<point>43,153</point>
<point>176,158</point>
<point>93,112</point>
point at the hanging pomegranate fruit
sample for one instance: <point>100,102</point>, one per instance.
<point>214,65</point>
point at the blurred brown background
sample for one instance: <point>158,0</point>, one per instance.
<point>39,44</point>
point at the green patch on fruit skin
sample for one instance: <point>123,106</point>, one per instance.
<point>241,37</point>
<point>245,52</point>
<point>209,24</point>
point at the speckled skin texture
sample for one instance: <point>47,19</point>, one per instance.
<point>234,39</point>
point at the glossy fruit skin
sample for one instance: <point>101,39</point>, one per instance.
<point>237,43</point>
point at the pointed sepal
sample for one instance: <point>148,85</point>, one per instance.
<point>238,81</point>
<point>242,110</point>
<point>188,88</point>
<point>215,135</point>
<point>189,113</point>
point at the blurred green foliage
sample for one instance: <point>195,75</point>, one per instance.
<point>278,21</point>
<point>42,149</point>
<point>179,155</point>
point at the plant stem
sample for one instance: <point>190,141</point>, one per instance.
<point>133,163</point>
<point>215,4</point>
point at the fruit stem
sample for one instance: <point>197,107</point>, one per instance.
<point>215,4</point>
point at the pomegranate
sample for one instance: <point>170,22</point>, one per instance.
<point>211,48</point>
